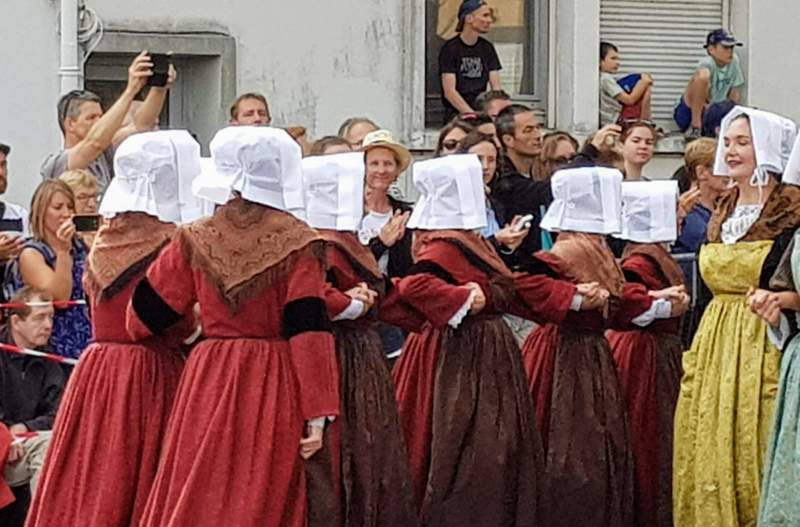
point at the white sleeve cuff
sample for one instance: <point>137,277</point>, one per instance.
<point>351,312</point>
<point>778,335</point>
<point>456,319</point>
<point>319,422</point>
<point>196,334</point>
<point>661,308</point>
<point>577,302</point>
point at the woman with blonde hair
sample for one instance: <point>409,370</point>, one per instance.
<point>86,190</point>
<point>54,261</point>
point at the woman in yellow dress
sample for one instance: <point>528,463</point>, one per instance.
<point>731,371</point>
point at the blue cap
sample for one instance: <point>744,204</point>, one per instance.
<point>721,36</point>
<point>467,7</point>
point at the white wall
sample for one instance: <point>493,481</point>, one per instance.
<point>773,51</point>
<point>320,62</point>
<point>317,62</point>
<point>28,91</point>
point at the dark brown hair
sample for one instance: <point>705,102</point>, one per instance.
<point>322,144</point>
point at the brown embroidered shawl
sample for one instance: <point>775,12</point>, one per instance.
<point>665,262</point>
<point>473,242</point>
<point>781,212</point>
<point>122,248</point>
<point>360,255</point>
<point>581,258</point>
<point>245,247</point>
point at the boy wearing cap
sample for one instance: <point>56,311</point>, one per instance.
<point>468,62</point>
<point>715,85</point>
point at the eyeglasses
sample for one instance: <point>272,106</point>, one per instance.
<point>86,197</point>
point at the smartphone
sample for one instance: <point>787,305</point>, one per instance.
<point>160,69</point>
<point>523,223</point>
<point>86,222</point>
<point>11,225</point>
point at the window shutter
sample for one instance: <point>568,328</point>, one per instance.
<point>664,38</point>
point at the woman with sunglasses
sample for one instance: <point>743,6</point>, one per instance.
<point>458,128</point>
<point>558,149</point>
<point>638,141</point>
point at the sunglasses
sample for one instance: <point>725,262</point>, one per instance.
<point>562,160</point>
<point>450,144</point>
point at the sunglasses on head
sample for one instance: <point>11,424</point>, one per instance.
<point>67,102</point>
<point>630,123</point>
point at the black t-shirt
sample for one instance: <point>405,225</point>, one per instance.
<point>471,66</point>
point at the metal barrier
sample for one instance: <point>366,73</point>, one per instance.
<point>688,261</point>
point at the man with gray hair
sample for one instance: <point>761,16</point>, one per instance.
<point>90,135</point>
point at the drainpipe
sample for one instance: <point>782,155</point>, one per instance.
<point>70,72</point>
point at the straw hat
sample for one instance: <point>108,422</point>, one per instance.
<point>385,139</point>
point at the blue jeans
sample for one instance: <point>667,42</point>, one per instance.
<point>712,116</point>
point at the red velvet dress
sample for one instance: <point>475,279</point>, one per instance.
<point>370,483</point>
<point>107,435</point>
<point>467,415</point>
<point>231,451</point>
<point>580,411</point>
<point>649,365</point>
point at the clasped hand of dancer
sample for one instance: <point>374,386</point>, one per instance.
<point>769,304</point>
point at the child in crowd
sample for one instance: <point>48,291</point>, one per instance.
<point>713,90</point>
<point>622,98</point>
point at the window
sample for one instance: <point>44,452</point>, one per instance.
<point>520,35</point>
<point>206,84</point>
<point>664,38</point>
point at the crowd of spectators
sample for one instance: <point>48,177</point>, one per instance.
<point>44,257</point>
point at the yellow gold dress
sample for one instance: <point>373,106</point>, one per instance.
<point>727,395</point>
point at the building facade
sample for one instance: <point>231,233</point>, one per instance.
<point>321,62</point>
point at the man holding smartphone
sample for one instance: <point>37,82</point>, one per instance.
<point>90,135</point>
<point>13,224</point>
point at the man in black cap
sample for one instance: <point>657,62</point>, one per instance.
<point>468,62</point>
<point>717,81</point>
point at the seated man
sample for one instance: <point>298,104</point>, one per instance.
<point>714,88</point>
<point>627,98</point>
<point>30,387</point>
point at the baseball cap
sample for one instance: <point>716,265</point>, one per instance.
<point>4,148</point>
<point>721,36</point>
<point>467,7</point>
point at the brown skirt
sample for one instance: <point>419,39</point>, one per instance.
<point>588,456</point>
<point>361,478</point>
<point>485,452</point>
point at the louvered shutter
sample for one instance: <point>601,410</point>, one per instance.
<point>664,38</point>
